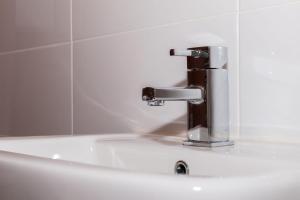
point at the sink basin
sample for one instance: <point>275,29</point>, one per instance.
<point>136,167</point>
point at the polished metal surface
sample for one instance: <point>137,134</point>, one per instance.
<point>193,53</point>
<point>218,58</point>
<point>206,96</point>
<point>208,144</point>
<point>192,95</point>
<point>209,121</point>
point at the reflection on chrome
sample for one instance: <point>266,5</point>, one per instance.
<point>197,188</point>
<point>56,156</point>
<point>91,149</point>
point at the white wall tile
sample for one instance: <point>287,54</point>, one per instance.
<point>270,71</point>
<point>39,91</point>
<point>110,73</point>
<point>100,17</point>
<point>254,4</point>
<point>31,23</point>
<point>6,76</point>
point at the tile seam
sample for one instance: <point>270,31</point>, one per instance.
<point>35,48</point>
<point>149,28</point>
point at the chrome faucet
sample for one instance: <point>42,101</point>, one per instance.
<point>206,96</point>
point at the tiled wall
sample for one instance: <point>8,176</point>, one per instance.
<point>35,67</point>
<point>269,68</point>
<point>78,66</point>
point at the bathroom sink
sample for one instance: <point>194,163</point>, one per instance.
<point>136,167</point>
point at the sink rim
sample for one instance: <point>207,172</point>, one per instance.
<point>14,156</point>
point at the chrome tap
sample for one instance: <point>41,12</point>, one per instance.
<point>157,96</point>
<point>206,96</point>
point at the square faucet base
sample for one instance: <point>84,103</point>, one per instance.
<point>208,144</point>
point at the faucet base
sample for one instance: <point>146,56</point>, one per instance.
<point>208,144</point>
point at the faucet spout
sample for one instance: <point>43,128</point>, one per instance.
<point>157,96</point>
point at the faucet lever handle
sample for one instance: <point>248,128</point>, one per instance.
<point>191,53</point>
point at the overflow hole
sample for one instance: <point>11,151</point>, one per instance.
<point>181,168</point>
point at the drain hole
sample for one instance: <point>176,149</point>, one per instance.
<point>181,168</point>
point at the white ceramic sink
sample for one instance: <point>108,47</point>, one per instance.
<point>126,166</point>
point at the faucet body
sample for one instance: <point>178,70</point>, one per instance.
<point>206,95</point>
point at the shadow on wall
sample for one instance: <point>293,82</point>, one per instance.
<point>175,128</point>
<point>96,113</point>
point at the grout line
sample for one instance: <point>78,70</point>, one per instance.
<point>35,48</point>
<point>238,71</point>
<point>151,28</point>
<point>72,41</point>
<point>72,67</point>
